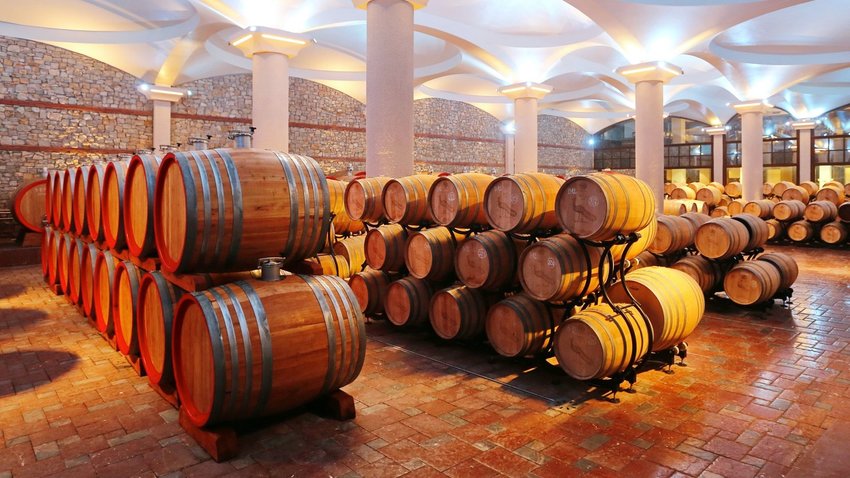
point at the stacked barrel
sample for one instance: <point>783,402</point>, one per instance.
<point>159,253</point>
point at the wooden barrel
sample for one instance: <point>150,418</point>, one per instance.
<point>724,200</point>
<point>125,299</point>
<point>697,219</point>
<point>406,301</point>
<point>104,277</point>
<point>519,326</point>
<point>720,211</point>
<point>762,208</point>
<point>56,199</point>
<point>112,204</point>
<point>844,212</point>
<point>647,236</point>
<point>48,196</point>
<point>139,185</point>
<point>430,254</point>
<point>736,207</point>
<point>720,187</point>
<point>94,211</point>
<point>599,206</point>
<point>87,284</point>
<point>342,222</point>
<point>75,269</point>
<point>847,189</point>
<point>597,342</point>
<point>672,300</point>
<point>669,187</point>
<point>801,231</point>
<point>405,199</point>
<point>787,266</point>
<point>709,195</point>
<point>353,249</point>
<point>63,260</point>
<point>835,184</point>
<point>811,187</point>
<point>362,199</point>
<point>820,211</point>
<point>154,317</point>
<point>522,202</point>
<point>757,230</point>
<point>796,193</point>
<point>370,288</point>
<point>322,265</point>
<point>45,251</point>
<point>775,229</point>
<point>265,359</point>
<point>81,186</point>
<point>674,207</point>
<point>834,232</point>
<point>28,205</point>
<point>833,194</point>
<point>266,203</point>
<point>53,256</point>
<point>488,260</point>
<point>789,210</point>
<point>706,273</point>
<point>693,205</point>
<point>647,259</point>
<point>782,186</point>
<point>696,185</point>
<point>767,189</point>
<point>733,189</point>
<point>674,234</point>
<point>752,282</point>
<point>683,192</point>
<point>385,247</point>
<point>459,313</point>
<point>458,200</point>
<point>721,238</point>
<point>556,268</point>
<point>68,199</point>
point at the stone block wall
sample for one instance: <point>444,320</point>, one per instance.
<point>561,147</point>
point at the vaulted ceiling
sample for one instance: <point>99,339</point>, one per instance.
<point>793,53</point>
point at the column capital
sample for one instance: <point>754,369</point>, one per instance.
<point>753,106</point>
<point>525,90</point>
<point>417,4</point>
<point>715,130</point>
<point>255,40</point>
<point>163,93</point>
<point>650,71</point>
<point>807,124</point>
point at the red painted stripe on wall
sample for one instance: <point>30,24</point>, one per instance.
<point>63,149</point>
<point>63,106</point>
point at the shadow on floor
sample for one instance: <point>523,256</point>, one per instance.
<point>29,369</point>
<point>19,317</point>
<point>8,291</point>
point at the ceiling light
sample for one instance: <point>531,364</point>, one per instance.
<point>242,40</point>
<point>269,36</point>
<point>166,92</point>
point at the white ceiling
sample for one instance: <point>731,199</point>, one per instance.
<point>794,53</point>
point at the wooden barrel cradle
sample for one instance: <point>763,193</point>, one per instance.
<point>674,234</point>
<point>789,210</point>
<point>154,317</point>
<point>736,207</point>
<point>709,195</point>
<point>669,187</point>
<point>385,247</point>
<point>522,202</point>
<point>138,204</point>
<point>787,266</point>
<point>370,288</point>
<point>488,260</point>
<point>406,301</point>
<point>752,282</point>
<point>801,231</point>
<point>112,202</point>
<point>820,211</point>
<point>56,199</point>
<point>458,200</point>
<point>104,277</point>
<point>597,342</point>
<point>757,230</point>
<point>834,232</point>
<point>63,260</point>
<point>720,211</point>
<point>405,199</point>
<point>430,254</point>
<point>767,189</point>
<point>342,222</point>
<point>219,210</point>
<point>362,199</point>
<point>796,193</point>
<point>811,187</point>
<point>762,208</point>
<point>28,205</point>
<point>733,189</point>
<point>252,349</point>
<point>353,249</point>
<point>831,193</point>
<point>68,199</point>
<point>647,237</point>
<point>720,187</point>
<point>672,300</point>
<point>775,229</point>
<point>721,238</point>
<point>94,216</point>
<point>125,298</point>
<point>75,270</point>
<point>555,268</point>
<point>322,264</point>
<point>520,326</point>
<point>88,262</point>
<point>674,207</point>
<point>599,206</point>
<point>844,212</point>
<point>683,192</point>
<point>782,186</point>
<point>459,313</point>
<point>81,184</point>
<point>706,273</point>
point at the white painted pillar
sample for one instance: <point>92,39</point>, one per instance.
<point>752,156</point>
<point>162,97</point>
<point>525,97</point>
<point>805,132</point>
<point>718,152</point>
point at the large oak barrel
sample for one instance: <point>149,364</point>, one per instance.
<point>87,289</point>
<point>322,264</point>
<point>430,253</point>
<point>220,210</point>
<point>488,260</point>
<point>721,238</point>
<point>385,247</point>
<point>789,210</point>
<point>370,288</point>
<point>797,193</point>
<point>138,205</point>
<point>459,313</point>
<point>458,200</point>
<point>674,234</point>
<point>28,205</point>
<point>94,216</point>
<point>125,297</point>
<point>252,349</point>
<point>733,189</point>
<point>787,266</point>
<point>112,203</point>
<point>68,199</point>
<point>705,272</point>
<point>599,206</point>
<point>833,194</point>
<point>597,342</point>
<point>363,199</point>
<point>522,202</point>
<point>709,195</point>
<point>63,260</point>
<point>520,326</point>
<point>782,186</point>
<point>762,208</point>
<point>683,192</point>
<point>801,231</point>
<point>844,212</point>
<point>736,207</point>
<point>556,268</point>
<point>406,301</point>
<point>775,230</point>
<point>353,249</point>
<point>75,270</point>
<point>56,199</point>
<point>81,186</point>
<point>811,187</point>
<point>674,207</point>
<point>672,300</point>
<point>343,224</point>
<point>406,199</point>
<point>752,282</point>
<point>820,211</point>
<point>154,317</point>
<point>104,277</point>
<point>756,229</point>
<point>834,232</point>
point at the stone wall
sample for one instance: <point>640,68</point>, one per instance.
<point>561,147</point>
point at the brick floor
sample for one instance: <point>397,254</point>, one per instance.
<point>761,387</point>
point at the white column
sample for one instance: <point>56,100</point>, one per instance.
<point>752,155</point>
<point>510,147</point>
<point>805,130</point>
<point>389,85</point>
<point>649,79</point>
<point>718,152</point>
<point>525,97</point>
<point>162,97</point>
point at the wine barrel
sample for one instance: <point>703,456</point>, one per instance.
<point>520,326</point>
<point>342,222</point>
<point>53,256</point>
<point>429,254</point>
<point>683,192</point>
<point>696,185</point>
<point>63,260</point>
<point>811,187</point>
<point>782,186</point>
<point>671,299</point>
<point>736,207</point>
<point>786,265</point>
<point>370,288</point>
<point>796,193</point>
<point>266,203</point>
<point>56,199</point>
<point>154,317</point>
<point>706,273</point>
<point>48,196</point>
<point>801,231</point>
<point>820,211</point>
<point>834,232</point>
<point>847,190</point>
<point>844,212</point>
<point>556,268</point>
<point>104,277</point>
<point>458,200</point>
<point>647,259</point>
<point>674,234</point>
<point>669,187</point>
<point>323,265</point>
<point>789,210</point>
<point>752,282</point>
<point>125,299</point>
<point>647,236</point>
<point>459,313</point>
<point>775,229</point>
<point>75,269</point>
<point>28,205</point>
<point>697,219</point>
<point>406,301</point>
<point>68,199</point>
<point>719,186</point>
<point>405,199</point>
<point>674,207</point>
<point>139,185</point>
<point>597,342</point>
<point>693,205</point>
<point>522,202</point>
<point>709,195</point>
<point>720,211</point>
<point>762,208</point>
<point>287,343</point>
<point>835,184</point>
<point>81,186</point>
<point>833,194</point>
<point>353,249</point>
<point>721,238</point>
<point>362,199</point>
<point>767,189</point>
<point>45,251</point>
<point>488,260</point>
<point>112,203</point>
<point>599,206</point>
<point>385,247</point>
<point>756,229</point>
<point>94,211</point>
<point>733,189</point>
<point>87,284</point>
<point>724,200</point>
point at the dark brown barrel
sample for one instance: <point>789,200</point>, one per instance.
<point>556,268</point>
<point>125,298</point>
<point>322,264</point>
<point>405,199</point>
<point>834,232</point>
<point>709,195</point>
<point>353,249</point>
<point>776,230</point>
<point>363,199</point>
<point>154,316</point>
<point>757,230</point>
<point>674,234</point>
<point>844,212</point>
<point>488,260</point>
<point>733,189</point>
<point>252,349</point>
<point>63,260</point>
<point>520,326</point>
<point>801,231</point>
<point>782,186</point>
<point>752,282</point>
<point>683,192</point>
<point>385,247</point>
<point>787,266</point>
<point>370,287</point>
<point>81,185</point>
<point>139,186</point>
<point>94,211</point>
<point>430,254</point>
<point>459,313</point>
<point>796,193</point>
<point>811,187</point>
<point>28,206</point>
<point>112,202</point>
<point>56,199</point>
<point>342,222</point>
<point>789,210</point>
<point>458,200</point>
<point>721,238</point>
<point>831,193</point>
<point>820,211</point>
<point>705,272</point>
<point>87,289</point>
<point>522,202</point>
<point>68,200</point>
<point>220,210</point>
<point>406,302</point>
<point>75,270</point>
<point>104,276</point>
<point>762,208</point>
<point>736,207</point>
